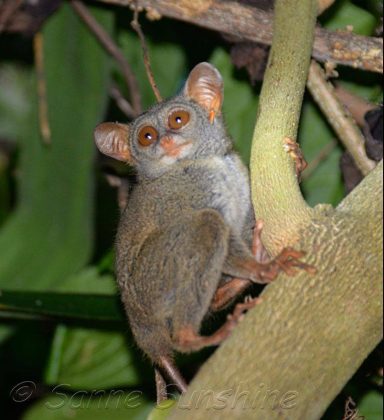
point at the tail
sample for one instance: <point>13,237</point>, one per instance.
<point>172,372</point>
<point>155,341</point>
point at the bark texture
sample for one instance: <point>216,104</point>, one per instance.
<point>293,353</point>
<point>249,23</point>
<point>276,196</point>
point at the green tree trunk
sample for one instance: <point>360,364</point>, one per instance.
<point>293,353</point>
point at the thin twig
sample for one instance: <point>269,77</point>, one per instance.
<point>7,10</point>
<point>41,88</point>
<point>121,102</point>
<point>339,117</point>
<point>136,26</point>
<point>108,43</point>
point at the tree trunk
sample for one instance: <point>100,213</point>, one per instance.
<point>293,353</point>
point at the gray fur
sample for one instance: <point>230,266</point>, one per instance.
<point>188,220</point>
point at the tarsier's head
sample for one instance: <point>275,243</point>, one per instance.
<point>187,126</point>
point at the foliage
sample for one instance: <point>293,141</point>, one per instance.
<point>61,324</point>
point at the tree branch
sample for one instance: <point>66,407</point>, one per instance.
<point>252,24</point>
<point>147,63</point>
<point>108,43</point>
<point>339,117</point>
<point>277,199</point>
<point>310,333</point>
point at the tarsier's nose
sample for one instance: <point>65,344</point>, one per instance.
<point>166,142</point>
<point>171,146</point>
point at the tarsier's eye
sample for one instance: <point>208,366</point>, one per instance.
<point>147,135</point>
<point>178,119</point>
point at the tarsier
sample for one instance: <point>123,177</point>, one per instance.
<point>184,242</point>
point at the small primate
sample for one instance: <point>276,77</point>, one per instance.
<point>184,242</point>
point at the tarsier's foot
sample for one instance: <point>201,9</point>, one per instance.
<point>226,293</point>
<point>187,339</point>
<point>293,149</point>
<point>286,261</point>
<point>241,308</point>
<point>261,270</point>
<point>237,315</point>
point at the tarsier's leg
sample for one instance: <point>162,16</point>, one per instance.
<point>191,308</point>
<point>187,339</point>
<point>240,263</point>
<point>236,286</point>
<point>264,267</point>
<point>226,293</point>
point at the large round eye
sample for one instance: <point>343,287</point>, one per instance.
<point>147,135</point>
<point>178,119</point>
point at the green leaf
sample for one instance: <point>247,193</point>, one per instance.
<point>162,411</point>
<point>371,406</point>
<point>88,358</point>
<point>14,102</point>
<point>62,305</point>
<point>346,13</point>
<point>85,358</point>
<point>325,183</point>
<point>240,119</point>
<point>98,404</point>
<point>50,235</point>
<point>107,262</point>
<point>88,281</point>
<point>372,91</point>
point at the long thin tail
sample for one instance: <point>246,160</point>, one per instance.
<point>173,373</point>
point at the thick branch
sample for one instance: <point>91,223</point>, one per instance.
<point>276,196</point>
<point>293,353</point>
<point>252,24</point>
<point>311,333</point>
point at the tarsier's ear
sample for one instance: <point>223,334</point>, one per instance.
<point>112,140</point>
<point>205,86</point>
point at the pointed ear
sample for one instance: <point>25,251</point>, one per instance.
<point>112,140</point>
<point>205,86</point>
